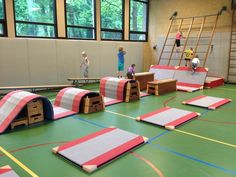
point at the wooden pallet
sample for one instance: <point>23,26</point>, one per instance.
<point>161,86</point>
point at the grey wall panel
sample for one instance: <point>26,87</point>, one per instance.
<point>42,60</point>
<point>68,60</point>
<point>14,68</point>
<point>108,58</point>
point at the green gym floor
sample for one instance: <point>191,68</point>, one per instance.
<point>203,147</point>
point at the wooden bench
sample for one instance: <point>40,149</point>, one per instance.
<point>82,81</point>
<point>144,78</point>
<point>33,88</point>
<point>160,87</point>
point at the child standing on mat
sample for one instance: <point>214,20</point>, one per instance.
<point>188,56</point>
<point>178,37</point>
<point>84,64</point>
<point>130,72</point>
<point>121,61</point>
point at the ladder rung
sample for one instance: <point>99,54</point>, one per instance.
<point>201,52</point>
<point>206,31</point>
<point>232,66</point>
<point>232,73</point>
<point>165,58</point>
<point>203,44</point>
<point>167,51</point>
<point>201,37</point>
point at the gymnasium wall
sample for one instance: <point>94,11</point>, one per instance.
<point>44,61</point>
<point>160,12</point>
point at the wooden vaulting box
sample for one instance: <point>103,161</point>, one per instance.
<point>35,111</point>
<point>132,91</point>
<point>160,87</point>
<point>32,113</point>
<point>92,102</point>
<point>144,78</point>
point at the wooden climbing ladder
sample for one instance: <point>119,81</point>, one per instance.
<point>232,51</point>
<point>198,33</point>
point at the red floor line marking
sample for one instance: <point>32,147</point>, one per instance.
<point>61,142</point>
<point>34,145</point>
<point>149,163</point>
<point>219,122</point>
<point>170,99</point>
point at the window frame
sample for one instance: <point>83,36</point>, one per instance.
<point>80,26</point>
<point>4,21</point>
<point>38,23</point>
<point>147,22</point>
<point>122,31</point>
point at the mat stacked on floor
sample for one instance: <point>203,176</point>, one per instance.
<point>207,101</point>
<point>14,102</point>
<point>212,82</point>
<point>7,171</point>
<point>168,117</point>
<point>114,90</point>
<point>99,148</point>
<point>15,107</point>
<point>68,101</point>
<point>186,79</point>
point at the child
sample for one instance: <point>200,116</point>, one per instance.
<point>188,56</point>
<point>130,72</point>
<point>195,63</point>
<point>178,37</point>
<point>121,61</point>
<point>85,64</point>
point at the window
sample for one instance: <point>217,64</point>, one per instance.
<point>112,19</point>
<point>138,20</point>
<point>35,18</point>
<point>3,28</point>
<point>80,19</point>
